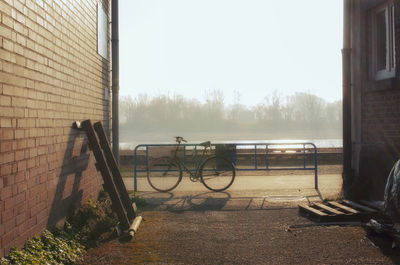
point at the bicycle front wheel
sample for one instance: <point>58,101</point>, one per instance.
<point>217,173</point>
<point>164,174</point>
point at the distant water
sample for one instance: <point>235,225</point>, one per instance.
<point>320,143</point>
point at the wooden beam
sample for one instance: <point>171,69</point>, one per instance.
<point>116,174</point>
<point>359,206</point>
<point>378,205</point>
<point>312,210</point>
<point>343,207</point>
<point>102,166</point>
<point>327,208</point>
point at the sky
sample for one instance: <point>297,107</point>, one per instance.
<point>249,48</point>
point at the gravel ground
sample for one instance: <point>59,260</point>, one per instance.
<point>249,224</point>
<point>214,234</point>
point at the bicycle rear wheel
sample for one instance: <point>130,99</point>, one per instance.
<point>164,174</point>
<point>217,173</point>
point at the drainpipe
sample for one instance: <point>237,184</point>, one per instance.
<point>115,78</point>
<point>346,75</point>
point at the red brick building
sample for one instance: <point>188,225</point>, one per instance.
<point>54,70</point>
<point>371,40</point>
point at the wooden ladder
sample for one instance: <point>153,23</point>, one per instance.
<point>107,165</point>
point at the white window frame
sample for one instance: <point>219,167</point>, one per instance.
<point>390,69</point>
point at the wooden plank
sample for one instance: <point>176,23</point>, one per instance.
<point>312,210</point>
<point>377,205</point>
<point>109,185</point>
<point>116,174</point>
<point>327,208</point>
<point>343,207</point>
<point>359,206</point>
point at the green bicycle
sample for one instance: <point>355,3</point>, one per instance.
<point>216,172</point>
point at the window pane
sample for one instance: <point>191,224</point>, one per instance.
<point>102,31</point>
<point>381,47</point>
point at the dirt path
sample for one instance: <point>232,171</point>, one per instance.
<point>239,236</point>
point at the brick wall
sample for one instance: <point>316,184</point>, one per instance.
<point>381,138</point>
<point>50,76</point>
<point>381,117</point>
<point>381,126</point>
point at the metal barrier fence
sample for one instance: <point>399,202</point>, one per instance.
<point>258,150</point>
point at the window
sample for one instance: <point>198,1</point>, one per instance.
<point>102,32</point>
<point>383,42</point>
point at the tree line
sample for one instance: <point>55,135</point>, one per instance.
<point>171,113</point>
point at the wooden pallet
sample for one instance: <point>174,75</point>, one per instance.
<point>338,211</point>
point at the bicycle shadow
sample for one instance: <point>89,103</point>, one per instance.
<point>206,201</point>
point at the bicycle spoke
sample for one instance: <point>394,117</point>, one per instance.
<point>164,174</point>
<point>217,173</point>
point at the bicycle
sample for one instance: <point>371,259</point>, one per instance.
<point>216,172</point>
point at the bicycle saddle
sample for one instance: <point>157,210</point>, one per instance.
<point>205,144</point>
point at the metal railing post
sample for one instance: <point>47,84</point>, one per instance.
<point>135,169</point>
<point>316,166</point>
<point>255,157</point>
<point>184,154</point>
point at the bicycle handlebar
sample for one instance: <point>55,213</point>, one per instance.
<point>180,139</point>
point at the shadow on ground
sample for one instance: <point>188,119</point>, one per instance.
<point>385,244</point>
<point>199,202</point>
<point>223,201</point>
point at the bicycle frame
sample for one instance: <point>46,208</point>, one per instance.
<point>221,169</point>
<point>197,162</point>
